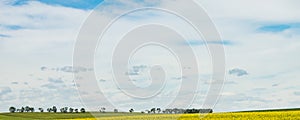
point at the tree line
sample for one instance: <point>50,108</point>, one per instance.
<point>51,109</point>
<point>177,111</point>
<point>166,111</point>
<point>102,109</point>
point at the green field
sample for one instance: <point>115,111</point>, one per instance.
<point>288,114</point>
<point>47,116</point>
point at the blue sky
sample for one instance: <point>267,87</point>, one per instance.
<point>12,27</point>
<point>200,42</point>
<point>278,27</point>
<point>2,35</point>
<point>261,49</point>
<point>275,28</point>
<point>80,4</point>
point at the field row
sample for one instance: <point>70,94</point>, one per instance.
<point>289,115</point>
<point>278,115</point>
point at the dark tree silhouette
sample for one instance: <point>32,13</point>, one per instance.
<point>31,109</point>
<point>49,109</point>
<point>41,109</point>
<point>12,109</point>
<point>131,110</point>
<point>71,110</point>
<point>153,110</point>
<point>54,109</point>
<point>148,111</point>
<point>27,108</point>
<point>22,109</point>
<point>102,109</point>
<point>115,110</point>
<point>64,110</point>
<point>76,110</point>
<point>176,110</point>
<point>82,110</point>
<point>158,110</point>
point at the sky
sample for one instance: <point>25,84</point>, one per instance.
<point>260,39</point>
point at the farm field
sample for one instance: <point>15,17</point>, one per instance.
<point>264,115</point>
<point>55,116</point>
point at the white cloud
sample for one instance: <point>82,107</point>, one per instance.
<point>43,27</point>
<point>47,34</point>
<point>5,90</point>
<point>266,11</point>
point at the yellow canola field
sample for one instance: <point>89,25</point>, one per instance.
<point>282,115</point>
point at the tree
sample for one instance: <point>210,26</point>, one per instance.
<point>82,110</point>
<point>168,111</point>
<point>71,110</point>
<point>54,109</point>
<point>49,109</point>
<point>175,110</point>
<point>65,109</point>
<point>76,110</point>
<point>12,109</point>
<point>153,110</point>
<point>22,109</point>
<point>131,110</point>
<point>31,109</point>
<point>41,109</point>
<point>148,111</point>
<point>158,110</point>
<point>205,110</point>
<point>27,108</point>
<point>115,110</point>
<point>103,109</point>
